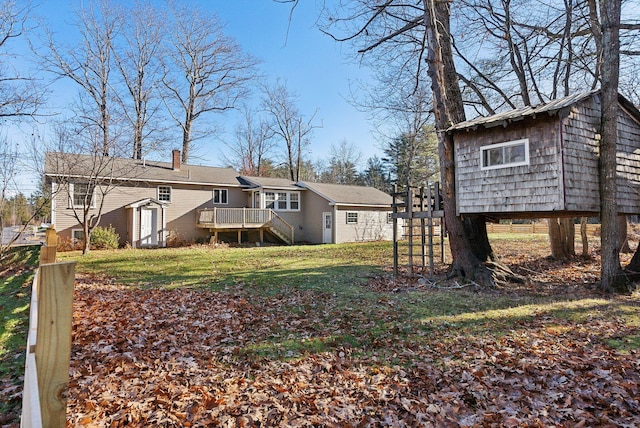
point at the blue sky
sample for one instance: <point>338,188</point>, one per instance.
<point>318,69</point>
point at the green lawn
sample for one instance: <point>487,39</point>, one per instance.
<point>16,275</point>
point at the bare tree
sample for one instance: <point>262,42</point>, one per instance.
<point>138,59</point>
<point>287,123</point>
<point>20,95</point>
<point>253,143</point>
<point>89,65</point>
<point>343,164</point>
<point>205,70</point>
<point>83,175</point>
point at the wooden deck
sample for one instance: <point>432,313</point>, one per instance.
<point>239,219</point>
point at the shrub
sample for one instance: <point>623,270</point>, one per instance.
<point>104,238</point>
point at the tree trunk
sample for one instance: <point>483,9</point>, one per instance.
<point>583,235</point>
<point>562,238</point>
<point>611,279</point>
<point>623,239</point>
<point>467,254</point>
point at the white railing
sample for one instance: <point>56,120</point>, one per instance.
<point>285,229</point>
<point>219,218</point>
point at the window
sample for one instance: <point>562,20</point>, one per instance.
<point>389,217</point>
<point>220,196</point>
<point>503,155</point>
<point>81,194</point>
<point>294,201</point>
<point>269,200</point>
<point>282,201</point>
<point>352,218</point>
<point>77,235</point>
<point>164,193</point>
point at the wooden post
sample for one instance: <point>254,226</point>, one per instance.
<point>423,252</point>
<point>48,250</point>
<point>394,209</point>
<point>410,207</point>
<point>53,342</point>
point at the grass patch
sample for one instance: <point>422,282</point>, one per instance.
<point>16,275</point>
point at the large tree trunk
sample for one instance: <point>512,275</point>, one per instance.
<point>468,254</point>
<point>612,279</point>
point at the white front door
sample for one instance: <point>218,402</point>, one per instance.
<point>148,226</point>
<point>327,222</point>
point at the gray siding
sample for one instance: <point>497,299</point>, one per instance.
<point>628,164</point>
<point>533,187</point>
<point>181,214</point>
<point>314,207</point>
<point>580,141</point>
<point>372,225</point>
<point>562,177</point>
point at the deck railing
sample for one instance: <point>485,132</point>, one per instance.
<point>232,218</point>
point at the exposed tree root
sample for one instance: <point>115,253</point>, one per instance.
<point>491,274</point>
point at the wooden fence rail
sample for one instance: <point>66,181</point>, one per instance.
<point>44,402</point>
<point>592,229</point>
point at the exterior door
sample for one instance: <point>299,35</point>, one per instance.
<point>327,228</point>
<point>148,226</point>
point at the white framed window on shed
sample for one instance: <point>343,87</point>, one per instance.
<point>352,217</point>
<point>80,194</point>
<point>164,193</point>
<point>504,155</point>
<point>220,196</point>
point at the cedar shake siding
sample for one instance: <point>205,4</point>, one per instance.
<point>561,177</point>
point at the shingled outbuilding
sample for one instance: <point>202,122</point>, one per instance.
<point>542,161</point>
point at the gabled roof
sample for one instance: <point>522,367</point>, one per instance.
<point>78,166</point>
<point>340,194</point>
<point>147,201</point>
<point>269,183</point>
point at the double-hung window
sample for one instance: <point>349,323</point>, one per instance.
<point>282,201</point>
<point>81,195</point>
<point>220,196</point>
<point>352,218</point>
<point>503,155</point>
<point>164,193</point>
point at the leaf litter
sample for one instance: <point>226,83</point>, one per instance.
<point>232,358</point>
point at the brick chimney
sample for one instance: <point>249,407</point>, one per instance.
<point>175,159</point>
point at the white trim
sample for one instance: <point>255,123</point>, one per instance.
<point>73,232</point>
<point>170,194</point>
<point>72,194</point>
<point>347,217</point>
<point>484,149</point>
<point>276,200</point>
<point>221,192</point>
<point>53,203</point>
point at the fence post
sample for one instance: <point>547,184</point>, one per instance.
<point>53,342</point>
<point>48,250</point>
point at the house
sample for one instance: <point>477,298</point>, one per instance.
<point>150,203</point>
<point>542,161</point>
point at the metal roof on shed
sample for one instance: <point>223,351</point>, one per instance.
<point>504,118</point>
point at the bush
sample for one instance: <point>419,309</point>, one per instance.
<point>104,238</point>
